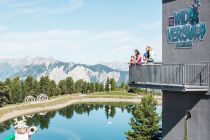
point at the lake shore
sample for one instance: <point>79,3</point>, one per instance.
<point>13,111</point>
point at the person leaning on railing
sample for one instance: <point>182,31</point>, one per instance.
<point>138,60</point>
<point>146,54</point>
<point>132,60</point>
<point>151,55</point>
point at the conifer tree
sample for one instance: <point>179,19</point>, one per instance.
<point>92,87</point>
<point>145,121</point>
<point>62,86</point>
<point>107,85</point>
<point>97,87</point>
<point>70,85</point>
<point>79,86</point>
<point>101,87</point>
<point>45,85</point>
<point>112,83</point>
<point>15,91</point>
<point>4,96</point>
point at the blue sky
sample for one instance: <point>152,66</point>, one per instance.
<point>84,31</point>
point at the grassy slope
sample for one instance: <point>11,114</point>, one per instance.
<point>113,94</point>
<point>66,98</point>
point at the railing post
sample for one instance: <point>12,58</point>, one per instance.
<point>200,76</point>
<point>208,74</point>
<point>183,74</point>
<point>129,78</point>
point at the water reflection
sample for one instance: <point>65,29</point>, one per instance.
<point>79,122</point>
<point>43,120</point>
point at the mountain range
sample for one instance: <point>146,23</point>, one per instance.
<point>58,70</point>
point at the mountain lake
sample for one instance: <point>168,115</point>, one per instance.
<point>79,122</point>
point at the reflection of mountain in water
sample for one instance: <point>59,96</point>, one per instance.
<point>43,121</point>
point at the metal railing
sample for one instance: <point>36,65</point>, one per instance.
<point>179,74</point>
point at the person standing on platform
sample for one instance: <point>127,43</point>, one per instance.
<point>151,55</point>
<point>138,56</point>
<point>146,54</point>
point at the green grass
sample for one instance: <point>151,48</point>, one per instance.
<point>38,105</point>
<point>65,98</point>
<point>114,93</point>
<point>115,104</point>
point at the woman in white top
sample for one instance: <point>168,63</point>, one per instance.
<point>151,55</point>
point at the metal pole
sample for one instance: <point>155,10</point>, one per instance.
<point>187,117</point>
<point>200,76</point>
<point>185,130</point>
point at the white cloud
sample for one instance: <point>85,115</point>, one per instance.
<point>3,1</point>
<point>150,25</point>
<point>73,5</point>
<point>42,7</point>
<point>69,44</point>
<point>3,29</point>
<point>22,4</point>
<point>74,45</point>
